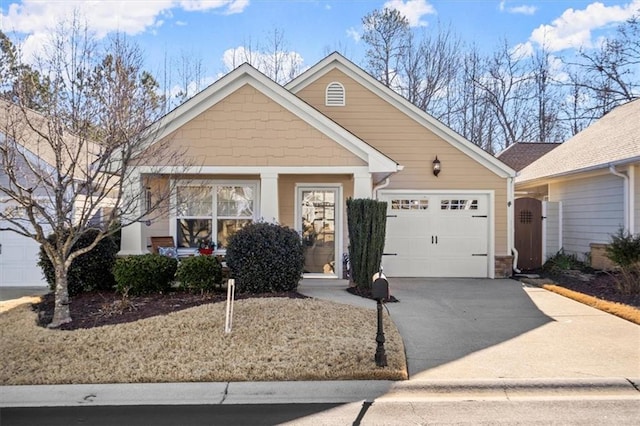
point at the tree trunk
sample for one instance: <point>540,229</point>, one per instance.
<point>61,313</point>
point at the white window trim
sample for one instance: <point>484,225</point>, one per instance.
<point>173,216</point>
<point>338,222</point>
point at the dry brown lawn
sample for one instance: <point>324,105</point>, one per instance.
<point>272,339</point>
<point>630,313</point>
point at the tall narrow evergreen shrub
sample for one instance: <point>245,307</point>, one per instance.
<point>367,223</point>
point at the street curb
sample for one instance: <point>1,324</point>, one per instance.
<point>514,389</point>
<point>315,392</point>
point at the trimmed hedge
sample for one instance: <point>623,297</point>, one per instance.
<point>144,274</point>
<point>88,272</point>
<point>367,223</point>
<point>265,258</point>
<point>199,273</point>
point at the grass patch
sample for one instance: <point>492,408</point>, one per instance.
<point>626,312</point>
<point>272,339</point>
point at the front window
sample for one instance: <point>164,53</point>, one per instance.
<point>228,207</point>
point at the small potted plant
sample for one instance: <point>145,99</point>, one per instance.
<point>206,247</point>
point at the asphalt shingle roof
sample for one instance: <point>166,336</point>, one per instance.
<point>521,154</point>
<point>612,139</point>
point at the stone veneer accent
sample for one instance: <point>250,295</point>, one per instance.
<point>503,266</point>
<point>599,259</point>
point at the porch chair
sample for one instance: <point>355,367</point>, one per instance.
<point>164,246</point>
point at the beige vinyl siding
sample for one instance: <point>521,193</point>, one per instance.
<point>410,144</point>
<point>249,129</point>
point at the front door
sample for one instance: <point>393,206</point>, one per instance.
<point>318,222</point>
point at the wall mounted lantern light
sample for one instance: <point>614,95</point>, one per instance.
<point>436,166</point>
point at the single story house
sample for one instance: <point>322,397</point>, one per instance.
<point>588,188</point>
<point>251,149</point>
<point>31,160</point>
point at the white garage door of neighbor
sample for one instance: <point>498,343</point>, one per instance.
<point>436,235</point>
<point>18,258</point>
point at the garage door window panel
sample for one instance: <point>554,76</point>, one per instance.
<point>458,204</point>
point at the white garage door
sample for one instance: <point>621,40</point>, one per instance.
<point>18,258</point>
<point>437,235</point>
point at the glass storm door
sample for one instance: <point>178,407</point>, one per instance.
<point>318,229</point>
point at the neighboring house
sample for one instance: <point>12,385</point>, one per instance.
<point>30,158</point>
<point>520,155</point>
<point>589,186</point>
<point>294,154</point>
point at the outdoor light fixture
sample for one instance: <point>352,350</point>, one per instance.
<point>436,166</point>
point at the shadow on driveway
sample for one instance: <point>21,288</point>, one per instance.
<point>443,320</point>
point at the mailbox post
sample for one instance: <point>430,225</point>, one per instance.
<point>380,292</point>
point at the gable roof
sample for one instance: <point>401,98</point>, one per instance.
<point>337,61</point>
<point>612,140</point>
<point>28,129</point>
<point>245,74</point>
<point>521,154</point>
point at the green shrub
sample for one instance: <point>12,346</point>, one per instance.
<point>562,261</point>
<point>624,248</point>
<point>144,274</point>
<point>265,258</point>
<point>367,222</point>
<point>90,271</point>
<point>199,273</point>
<point>624,251</point>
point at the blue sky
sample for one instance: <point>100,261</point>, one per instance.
<point>205,29</point>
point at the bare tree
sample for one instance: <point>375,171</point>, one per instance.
<point>546,92</point>
<point>430,69</point>
<point>62,165</point>
<point>611,73</point>
<point>191,74</point>
<point>270,57</point>
<point>506,84</point>
<point>386,34</point>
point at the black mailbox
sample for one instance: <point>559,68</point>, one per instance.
<point>380,288</point>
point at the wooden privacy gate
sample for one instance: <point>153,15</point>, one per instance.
<point>528,233</point>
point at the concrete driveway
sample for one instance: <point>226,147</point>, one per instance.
<point>498,329</point>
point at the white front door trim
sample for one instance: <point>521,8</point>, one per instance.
<point>338,220</point>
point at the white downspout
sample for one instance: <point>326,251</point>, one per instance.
<point>383,185</point>
<point>627,213</point>
<point>515,260</point>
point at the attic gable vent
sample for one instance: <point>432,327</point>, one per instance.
<point>335,94</point>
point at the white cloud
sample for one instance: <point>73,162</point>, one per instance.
<point>522,9</point>
<point>573,29</point>
<point>413,10</point>
<point>34,18</point>
<point>354,34</point>
<point>524,50</point>
<point>264,62</point>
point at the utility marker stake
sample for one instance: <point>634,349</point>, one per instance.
<point>231,294</point>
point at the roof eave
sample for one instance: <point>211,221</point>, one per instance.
<point>569,173</point>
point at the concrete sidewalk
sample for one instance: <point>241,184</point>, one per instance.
<point>464,340</point>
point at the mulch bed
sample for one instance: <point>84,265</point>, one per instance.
<point>98,308</point>
<point>594,283</point>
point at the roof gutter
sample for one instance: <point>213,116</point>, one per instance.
<point>583,170</point>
